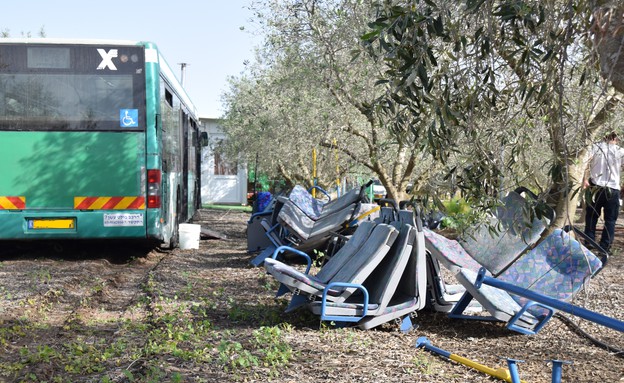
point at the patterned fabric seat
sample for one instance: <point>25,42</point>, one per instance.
<point>497,249</point>
<point>450,252</point>
<point>494,246</point>
<point>309,205</point>
<point>558,267</point>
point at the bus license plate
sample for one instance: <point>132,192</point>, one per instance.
<point>65,223</point>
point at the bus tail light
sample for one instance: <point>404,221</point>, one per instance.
<point>153,188</point>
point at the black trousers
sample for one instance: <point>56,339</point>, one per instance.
<point>607,201</point>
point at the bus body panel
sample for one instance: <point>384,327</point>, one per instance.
<point>53,171</point>
<point>52,168</point>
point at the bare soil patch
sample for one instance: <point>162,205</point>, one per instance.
<point>91,312</point>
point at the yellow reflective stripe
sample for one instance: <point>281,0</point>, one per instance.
<point>78,201</point>
<point>125,202</point>
<point>12,203</point>
<point>99,203</point>
<point>6,204</point>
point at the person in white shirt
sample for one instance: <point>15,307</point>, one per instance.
<point>603,178</point>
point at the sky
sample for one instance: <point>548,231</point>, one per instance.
<point>205,34</point>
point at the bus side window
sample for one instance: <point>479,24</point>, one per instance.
<point>203,139</point>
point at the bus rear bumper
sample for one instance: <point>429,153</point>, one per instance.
<point>72,224</point>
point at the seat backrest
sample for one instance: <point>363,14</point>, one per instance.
<point>449,252</point>
<point>343,256</point>
<point>333,222</point>
<point>384,280</point>
<point>497,244</point>
<point>292,218</point>
<point>309,205</point>
<point>413,283</point>
<point>343,202</point>
<point>387,214</point>
<point>370,254</point>
<point>557,267</point>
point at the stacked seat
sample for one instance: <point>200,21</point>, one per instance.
<point>397,288</point>
<point>352,264</point>
<point>379,275</point>
<point>306,223</point>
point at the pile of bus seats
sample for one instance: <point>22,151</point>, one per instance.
<point>390,268</point>
<point>306,223</point>
<point>379,275</point>
<point>494,245</point>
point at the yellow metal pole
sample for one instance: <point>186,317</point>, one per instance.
<point>314,171</point>
<point>337,167</point>
<point>500,373</point>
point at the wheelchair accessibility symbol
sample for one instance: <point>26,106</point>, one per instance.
<point>129,118</point>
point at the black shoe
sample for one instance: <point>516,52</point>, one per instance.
<point>605,249</point>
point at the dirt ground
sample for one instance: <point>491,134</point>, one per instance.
<point>95,312</point>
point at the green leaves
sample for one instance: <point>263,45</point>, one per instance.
<point>493,86</point>
<point>473,6</point>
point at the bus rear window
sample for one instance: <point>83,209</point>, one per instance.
<point>71,88</point>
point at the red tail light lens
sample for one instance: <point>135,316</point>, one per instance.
<point>153,176</point>
<point>153,188</point>
<point>153,201</point>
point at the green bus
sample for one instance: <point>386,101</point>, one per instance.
<point>98,139</point>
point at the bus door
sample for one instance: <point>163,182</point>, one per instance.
<point>185,169</point>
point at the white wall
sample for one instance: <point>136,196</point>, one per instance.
<point>220,189</point>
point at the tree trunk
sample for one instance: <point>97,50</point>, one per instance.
<point>564,197</point>
<point>608,30</point>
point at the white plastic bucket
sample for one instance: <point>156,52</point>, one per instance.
<point>189,236</point>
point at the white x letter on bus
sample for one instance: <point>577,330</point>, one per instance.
<point>107,59</point>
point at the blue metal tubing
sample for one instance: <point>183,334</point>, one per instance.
<point>512,323</point>
<point>556,370</point>
<point>261,214</point>
<point>319,189</point>
<point>343,318</point>
<point>554,303</point>
<point>424,342</point>
<point>283,249</point>
<point>513,369</point>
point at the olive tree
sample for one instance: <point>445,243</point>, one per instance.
<point>517,80</point>
<point>311,70</point>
